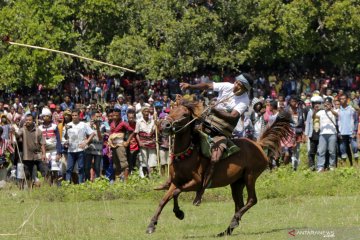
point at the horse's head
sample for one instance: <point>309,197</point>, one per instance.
<point>179,117</point>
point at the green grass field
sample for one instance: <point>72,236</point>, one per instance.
<point>287,201</point>
<point>124,219</point>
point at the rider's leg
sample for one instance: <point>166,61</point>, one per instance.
<point>216,152</point>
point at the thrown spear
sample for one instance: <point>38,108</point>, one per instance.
<point>6,39</point>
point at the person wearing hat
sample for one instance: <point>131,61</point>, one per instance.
<point>121,104</point>
<point>139,106</point>
<point>327,135</point>
<point>53,148</point>
<point>145,135</point>
<point>311,131</point>
<point>159,109</point>
<point>232,102</point>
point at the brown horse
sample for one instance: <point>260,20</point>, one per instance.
<point>239,170</point>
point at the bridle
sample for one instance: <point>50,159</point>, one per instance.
<point>175,127</point>
<point>173,124</point>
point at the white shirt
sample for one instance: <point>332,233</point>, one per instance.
<point>143,126</point>
<point>326,126</point>
<point>77,134</point>
<point>238,103</point>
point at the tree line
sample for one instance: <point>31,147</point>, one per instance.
<point>166,38</point>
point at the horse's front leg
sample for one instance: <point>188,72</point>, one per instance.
<point>167,197</point>
<point>189,186</point>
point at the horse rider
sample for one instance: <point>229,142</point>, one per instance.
<point>233,100</point>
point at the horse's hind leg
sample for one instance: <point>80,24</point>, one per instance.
<point>168,195</point>
<point>237,194</point>
<point>251,201</point>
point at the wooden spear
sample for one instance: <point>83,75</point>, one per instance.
<point>6,39</point>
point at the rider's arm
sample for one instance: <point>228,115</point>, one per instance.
<point>199,86</point>
<point>232,117</point>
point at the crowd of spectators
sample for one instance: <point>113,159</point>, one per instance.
<point>105,126</point>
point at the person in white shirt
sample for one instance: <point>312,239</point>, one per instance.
<point>77,138</point>
<point>328,134</point>
<point>145,135</point>
<point>232,102</point>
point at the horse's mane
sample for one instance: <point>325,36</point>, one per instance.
<point>196,107</point>
<point>277,132</point>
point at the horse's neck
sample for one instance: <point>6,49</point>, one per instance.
<point>182,142</point>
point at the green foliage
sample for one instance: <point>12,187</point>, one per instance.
<point>280,183</point>
<point>170,38</point>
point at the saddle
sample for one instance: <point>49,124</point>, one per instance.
<point>206,143</point>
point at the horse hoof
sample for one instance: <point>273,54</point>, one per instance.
<point>227,232</point>
<point>180,214</point>
<point>150,230</point>
<point>197,202</point>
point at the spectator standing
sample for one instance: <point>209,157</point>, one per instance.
<point>79,136</point>
<point>33,147</point>
<point>133,144</point>
<point>257,117</point>
<point>121,104</point>
<point>53,148</point>
<point>312,130</point>
<point>95,149</point>
<point>328,134</point>
<point>118,129</point>
<point>145,135</point>
<point>347,128</point>
<point>67,104</point>
<point>298,118</point>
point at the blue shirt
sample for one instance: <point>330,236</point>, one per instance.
<point>65,106</point>
<point>346,120</point>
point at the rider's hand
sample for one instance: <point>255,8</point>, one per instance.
<point>184,86</point>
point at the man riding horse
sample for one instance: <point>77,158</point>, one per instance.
<point>232,102</point>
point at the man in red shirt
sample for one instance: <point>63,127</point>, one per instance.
<point>133,144</point>
<point>118,128</point>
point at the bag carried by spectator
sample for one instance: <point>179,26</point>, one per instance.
<point>335,125</point>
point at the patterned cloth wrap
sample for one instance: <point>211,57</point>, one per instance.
<point>215,125</point>
<point>148,139</point>
<point>206,143</point>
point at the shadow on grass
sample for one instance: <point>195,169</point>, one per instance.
<point>237,234</point>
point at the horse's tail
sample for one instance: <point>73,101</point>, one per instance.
<point>277,132</point>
